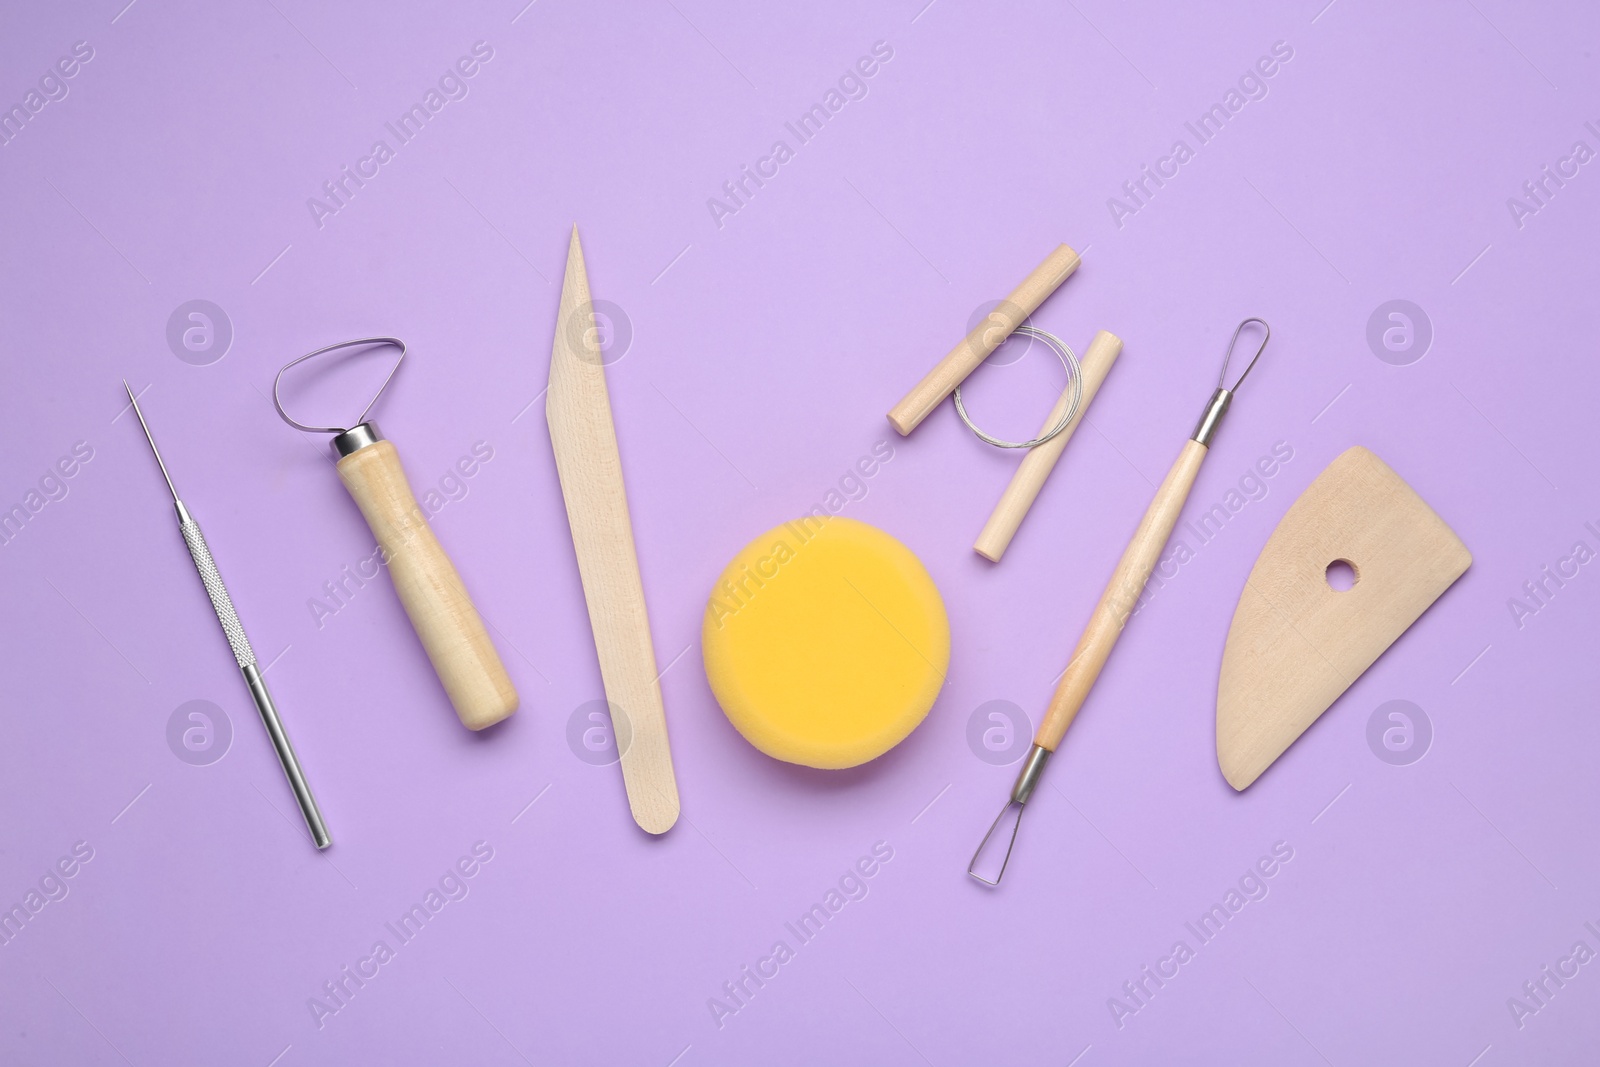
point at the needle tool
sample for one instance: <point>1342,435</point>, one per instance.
<point>243,654</point>
<point>1120,599</point>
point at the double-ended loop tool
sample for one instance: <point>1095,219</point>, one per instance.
<point>441,612</point>
<point>1119,600</point>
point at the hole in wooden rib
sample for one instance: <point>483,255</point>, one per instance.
<point>1342,575</point>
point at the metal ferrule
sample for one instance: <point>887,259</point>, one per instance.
<point>1032,768</point>
<point>357,438</point>
<point>1211,418</point>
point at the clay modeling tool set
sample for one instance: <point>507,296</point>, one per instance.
<point>1118,601</point>
<point>584,439</point>
<point>1296,643</point>
<point>441,612</point>
<point>243,654</point>
<point>825,640</point>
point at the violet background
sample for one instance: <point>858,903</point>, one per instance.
<point>763,357</point>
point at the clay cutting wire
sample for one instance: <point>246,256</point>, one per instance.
<point>1069,362</point>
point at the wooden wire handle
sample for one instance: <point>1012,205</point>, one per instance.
<point>985,337</point>
<point>441,612</point>
<point>1121,596</point>
<point>1040,460</point>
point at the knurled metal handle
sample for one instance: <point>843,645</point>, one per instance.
<point>220,601</point>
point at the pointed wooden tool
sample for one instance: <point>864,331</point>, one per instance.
<point>578,410</point>
<point>1296,643</point>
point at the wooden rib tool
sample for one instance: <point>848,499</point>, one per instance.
<point>584,439</point>
<point>1296,644</point>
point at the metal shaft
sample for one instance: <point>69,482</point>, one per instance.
<point>244,655</point>
<point>286,756</point>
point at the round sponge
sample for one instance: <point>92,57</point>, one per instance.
<point>825,642</point>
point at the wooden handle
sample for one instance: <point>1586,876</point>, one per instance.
<point>985,337</point>
<point>1121,596</point>
<point>1041,459</point>
<point>441,612</point>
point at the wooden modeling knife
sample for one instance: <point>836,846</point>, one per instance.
<point>578,409</point>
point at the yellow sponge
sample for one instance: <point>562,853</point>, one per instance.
<point>825,642</point>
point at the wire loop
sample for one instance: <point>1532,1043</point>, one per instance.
<point>1069,362</point>
<point>1228,356</point>
<point>277,402</point>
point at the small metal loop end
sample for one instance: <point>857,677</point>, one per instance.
<point>1217,406</point>
<point>1266,335</point>
<point>972,868</point>
<point>1027,780</point>
<point>277,401</point>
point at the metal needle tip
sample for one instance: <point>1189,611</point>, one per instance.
<point>146,428</point>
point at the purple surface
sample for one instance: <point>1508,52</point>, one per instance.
<point>764,352</point>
